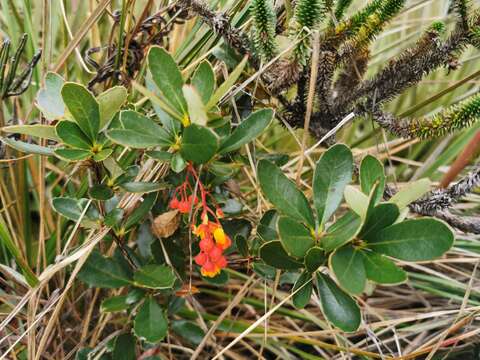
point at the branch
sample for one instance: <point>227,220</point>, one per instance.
<point>437,202</point>
<point>220,24</point>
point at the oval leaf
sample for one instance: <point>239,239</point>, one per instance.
<point>110,102</point>
<point>248,130</point>
<point>37,130</point>
<point>382,270</point>
<point>342,231</point>
<point>283,193</point>
<point>381,216</point>
<point>314,259</point>
<point>103,272</point>
<point>204,80</point>
<point>347,265</point>
<point>154,277</point>
<point>150,323</point>
<point>295,238</point>
<point>371,172</point>
<point>138,131</point>
<point>73,154</point>
<point>332,173</point>
<point>49,98</point>
<point>199,144</point>
<point>273,254</point>
<point>339,308</point>
<point>71,134</point>
<point>411,192</point>
<point>27,147</point>
<point>167,77</point>
<point>84,108</point>
<point>142,187</point>
<point>304,285</point>
<point>413,240</point>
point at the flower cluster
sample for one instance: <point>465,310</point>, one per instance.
<point>213,240</point>
<point>185,202</point>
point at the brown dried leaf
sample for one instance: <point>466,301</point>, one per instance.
<point>166,224</point>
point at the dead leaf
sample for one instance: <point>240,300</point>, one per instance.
<point>166,224</point>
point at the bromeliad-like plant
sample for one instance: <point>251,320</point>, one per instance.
<point>339,257</point>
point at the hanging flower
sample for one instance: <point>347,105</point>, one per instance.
<point>213,240</point>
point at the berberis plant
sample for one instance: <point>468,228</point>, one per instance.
<point>356,246</point>
<point>178,182</point>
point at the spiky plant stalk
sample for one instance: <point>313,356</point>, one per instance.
<point>461,8</point>
<point>372,26</point>
<point>453,118</point>
<point>342,6</point>
<point>308,14</point>
<point>264,22</point>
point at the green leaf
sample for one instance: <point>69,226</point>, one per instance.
<point>155,277</point>
<point>189,331</point>
<point>49,98</point>
<point>342,231</point>
<point>102,155</point>
<point>160,155</point>
<point>70,208</point>
<point>110,102</point>
<point>178,163</point>
<point>347,265</point>
<point>73,154</point>
<point>124,348</point>
<point>411,192</point>
<point>314,259</point>
<point>141,211</point>
<point>150,323</point>
<point>71,134</point>
<point>382,270</point>
<point>332,173</point>
<point>413,240</point>
<point>305,284</point>
<point>138,132</point>
<point>267,228</point>
<point>248,130</point>
<point>227,84</point>
<point>380,217</point>
<point>37,130</point>
<point>84,108</point>
<point>204,80</point>
<point>114,217</point>
<point>242,245</point>
<point>196,109</point>
<point>295,238</point>
<point>371,171</point>
<point>103,272</point>
<point>167,77</point>
<point>199,144</point>
<point>283,193</point>
<point>273,254</point>
<point>338,307</point>
<point>100,192</point>
<point>356,200</point>
<point>142,187</point>
<point>27,147</point>
<point>114,304</point>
